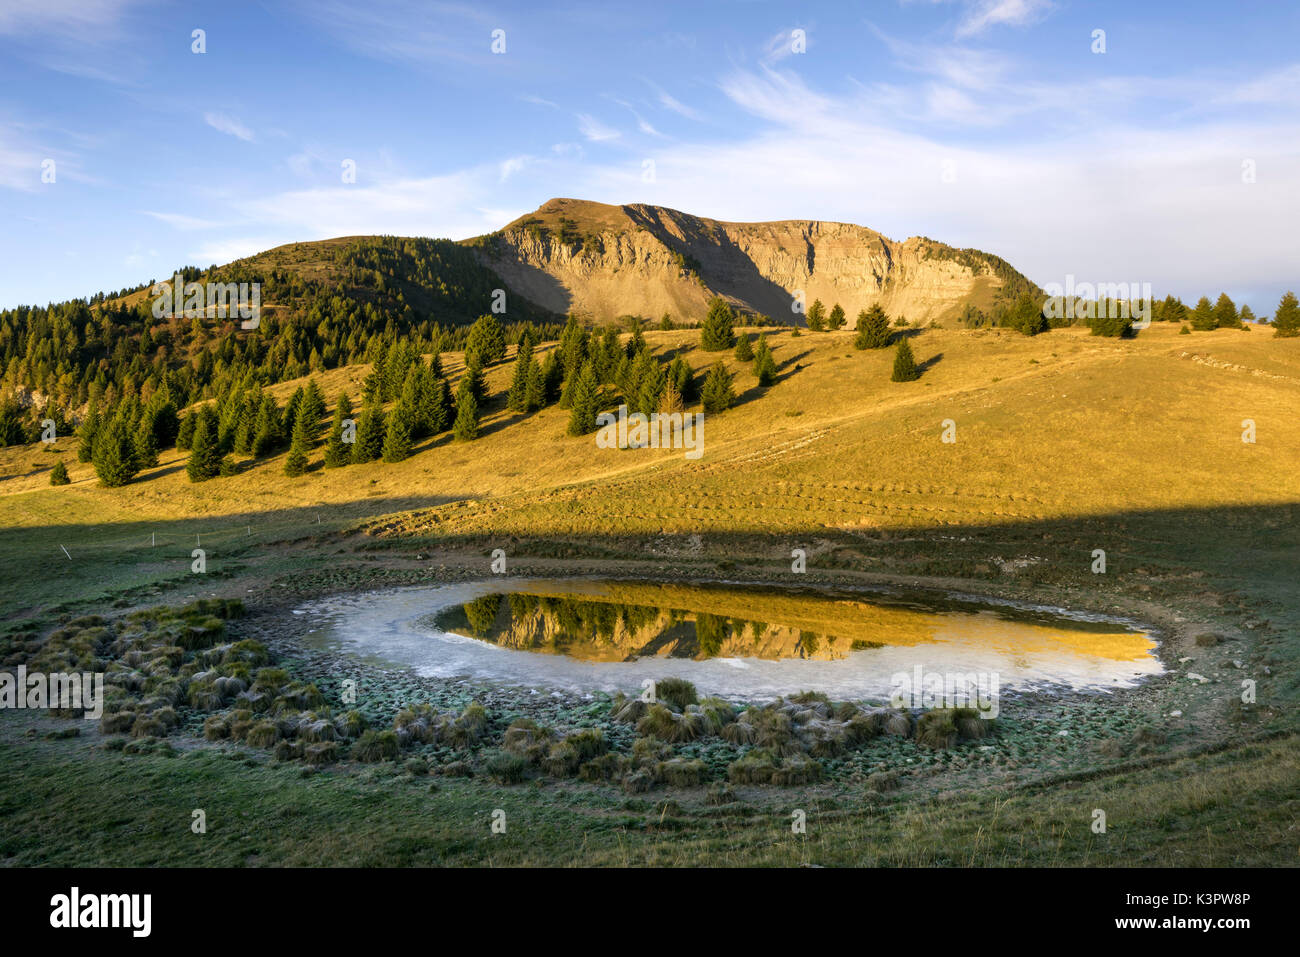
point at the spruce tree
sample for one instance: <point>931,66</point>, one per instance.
<point>817,316</point>
<point>1225,313</point>
<point>764,363</point>
<point>441,406</point>
<point>535,388</point>
<point>268,433</point>
<point>552,375</point>
<point>205,458</point>
<point>337,452</point>
<point>146,445</point>
<point>86,436</point>
<point>717,331</point>
<point>905,369</point>
<point>1286,320</point>
<point>474,379</point>
<point>304,425</point>
<point>717,394</point>
<point>835,321</point>
<point>397,441</point>
<point>114,458</point>
<point>59,474</point>
<point>517,397</point>
<point>873,329</point>
<point>314,399</point>
<point>744,351</point>
<point>185,432</point>
<point>371,431</point>
<point>1203,316</point>
<point>585,401</point>
<point>466,427</point>
<point>487,341</point>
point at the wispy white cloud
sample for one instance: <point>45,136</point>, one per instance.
<point>594,130</point>
<point>990,13</point>
<point>183,222</point>
<point>223,123</point>
<point>670,102</point>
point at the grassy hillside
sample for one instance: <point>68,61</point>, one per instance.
<point>1066,443</point>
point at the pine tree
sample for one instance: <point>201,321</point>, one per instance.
<point>835,321</point>
<point>397,441</point>
<point>552,376</point>
<point>86,436</point>
<point>59,474</point>
<point>671,401</point>
<point>680,374</point>
<point>1225,313</point>
<point>114,458</point>
<point>1203,316</point>
<point>905,369</point>
<point>300,444</point>
<point>186,431</point>
<point>268,432</point>
<point>873,329</point>
<point>205,459</point>
<point>314,399</point>
<point>146,445</point>
<point>1027,316</point>
<point>473,379</point>
<point>371,431</point>
<point>1286,320</point>
<point>441,406</point>
<point>534,388</point>
<point>1247,315</point>
<point>717,394</point>
<point>717,331</point>
<point>817,316</point>
<point>744,351</point>
<point>487,341</point>
<point>585,401</point>
<point>466,427</point>
<point>517,397</point>
<point>764,363</point>
<point>337,452</point>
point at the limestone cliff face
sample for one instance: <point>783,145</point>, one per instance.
<point>604,261</point>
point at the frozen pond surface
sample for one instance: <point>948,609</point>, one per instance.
<point>739,641</point>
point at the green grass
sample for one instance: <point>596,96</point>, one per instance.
<point>68,803</point>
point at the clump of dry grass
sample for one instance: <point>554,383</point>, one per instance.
<point>670,726</point>
<point>682,773</point>
<point>676,692</point>
<point>374,746</point>
<point>528,739</point>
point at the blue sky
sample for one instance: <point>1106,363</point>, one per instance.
<point>986,123</point>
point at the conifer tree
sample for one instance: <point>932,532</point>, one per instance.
<point>905,369</point>
<point>441,406</point>
<point>146,445</point>
<point>295,463</point>
<point>397,441</point>
<point>1286,320</point>
<point>59,474</point>
<point>185,432</point>
<point>835,321</point>
<point>466,427</point>
<point>717,394</point>
<point>337,452</point>
<point>535,387</point>
<point>268,433</point>
<point>873,329</point>
<point>1225,313</point>
<point>585,401</point>
<point>1203,318</point>
<point>764,363</point>
<point>86,436</point>
<point>744,351</point>
<point>371,431</point>
<point>474,379</point>
<point>314,399</point>
<point>552,375</point>
<point>717,330</point>
<point>517,396</point>
<point>816,316</point>
<point>487,341</point>
<point>671,400</point>
<point>114,457</point>
<point>205,457</point>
